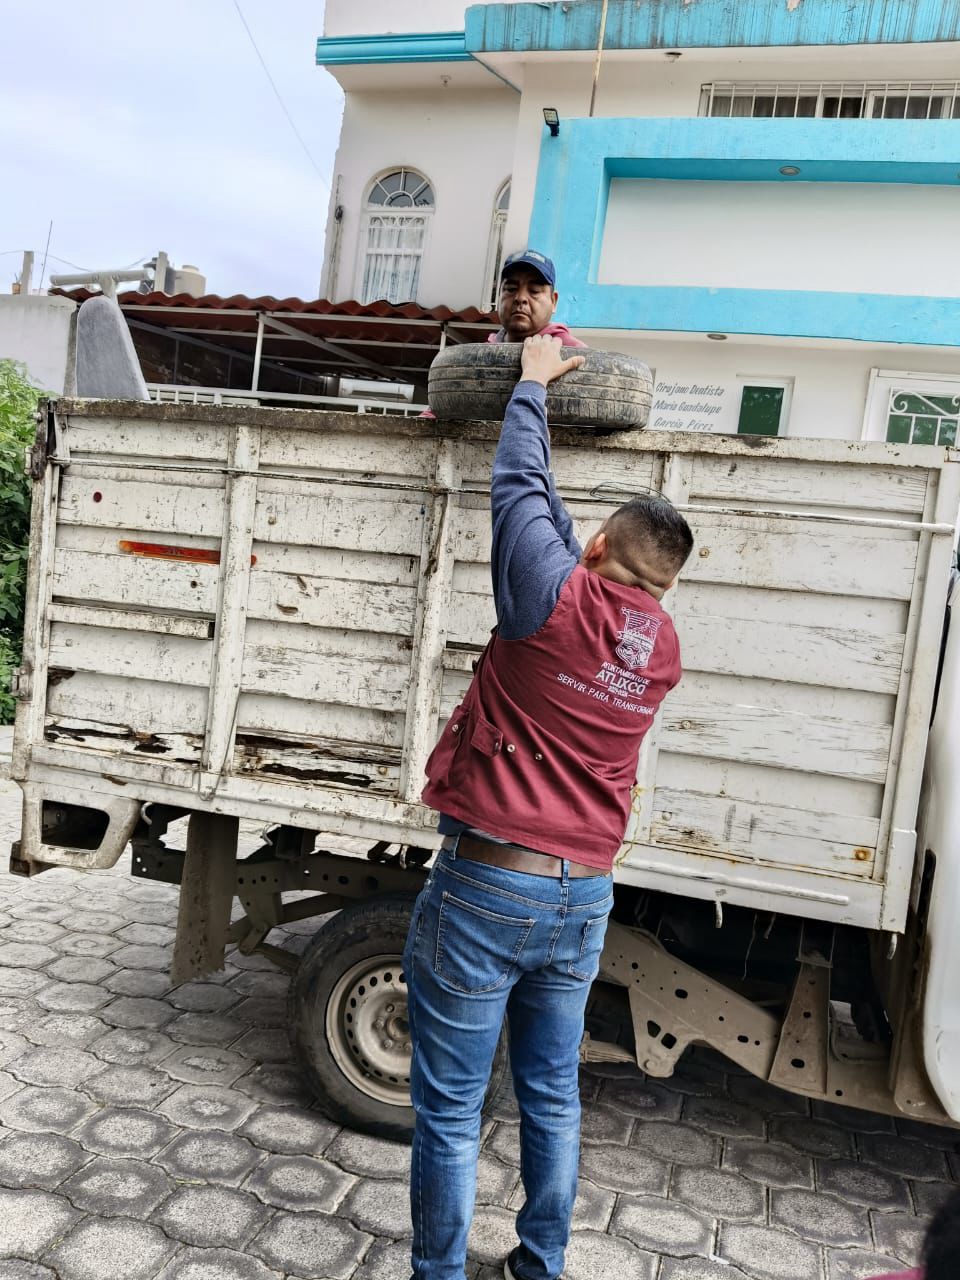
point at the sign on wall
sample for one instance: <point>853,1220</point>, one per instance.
<point>694,406</point>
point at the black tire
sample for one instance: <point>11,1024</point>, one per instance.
<point>475,380</point>
<point>348,979</point>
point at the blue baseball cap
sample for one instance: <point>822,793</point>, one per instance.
<point>530,258</point>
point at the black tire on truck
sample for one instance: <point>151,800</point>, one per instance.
<point>348,1018</point>
<point>474,381</point>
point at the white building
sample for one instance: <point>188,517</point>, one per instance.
<point>760,199</point>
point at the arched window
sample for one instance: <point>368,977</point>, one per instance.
<point>491,279</point>
<point>397,214</point>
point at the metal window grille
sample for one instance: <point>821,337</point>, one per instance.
<point>394,235</point>
<point>913,418</point>
<point>834,100</point>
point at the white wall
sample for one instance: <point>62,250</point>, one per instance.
<point>464,144</point>
<point>830,383</point>
<point>374,17</point>
<point>35,330</point>
<point>841,237</point>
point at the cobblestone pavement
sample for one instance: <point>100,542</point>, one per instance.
<point>149,1131</point>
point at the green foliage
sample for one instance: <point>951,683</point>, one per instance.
<point>18,402</point>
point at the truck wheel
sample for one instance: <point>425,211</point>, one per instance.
<point>474,381</point>
<point>348,1018</point>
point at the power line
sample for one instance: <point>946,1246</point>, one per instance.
<point>283,105</point>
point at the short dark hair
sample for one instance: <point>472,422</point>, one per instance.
<point>941,1247</point>
<point>655,523</point>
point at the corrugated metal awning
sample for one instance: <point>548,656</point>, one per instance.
<point>317,338</point>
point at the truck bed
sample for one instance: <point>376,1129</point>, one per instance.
<point>270,612</point>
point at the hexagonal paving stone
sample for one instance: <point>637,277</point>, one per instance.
<point>128,1086</point>
<point>138,982</point>
<point>216,1264</point>
<point>811,1136</point>
<point>388,1260</point>
<point>290,1131</point>
<point>303,1182</point>
<point>144,957</point>
<point>18,1269</point>
<point>209,1156</point>
<point>125,1131</point>
<point>212,1216</point>
<point>901,1155</point>
<point>678,1143</point>
<point>128,1047</point>
<point>296,1242</point>
<point>591,1256</point>
<point>360,1153</point>
<point>118,1188</point>
<point>95,921</point>
<point>592,1210</point>
<point>206,1107</point>
<point>42,931</point>
<point>26,955</point>
<point>81,969</point>
<point>605,1124</point>
<point>139,1013</point>
<point>859,1264</point>
<point>929,1196</point>
<point>662,1226</point>
<point>39,910</point>
<point>276,1082</point>
<point>262,1011</point>
<point>40,1110</point>
<point>722,1195</point>
<point>492,1235</point>
<point>724,1116</point>
<point>20,982</point>
<point>899,1234</point>
<point>206,1065</point>
<point>115,1247</point>
<point>205,1028</point>
<point>495,1180</point>
<point>203,997</point>
<point>267,983</point>
<point>58,1029</point>
<point>768,1162</point>
<point>72,997</point>
<point>820,1217</point>
<point>863,1184</point>
<point>39,1160</point>
<point>767,1254</point>
<point>92,945</point>
<point>46,1066</point>
<point>624,1169</point>
<point>264,1044</point>
<point>15,1013</point>
<point>12,1045</point>
<point>698,1269</point>
<point>31,1220</point>
<point>767,1097</point>
<point>147,935</point>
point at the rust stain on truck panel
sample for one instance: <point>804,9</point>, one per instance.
<point>168,551</point>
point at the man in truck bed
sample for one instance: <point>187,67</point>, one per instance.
<point>532,777</point>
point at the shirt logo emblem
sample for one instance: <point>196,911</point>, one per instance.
<point>637,638</point>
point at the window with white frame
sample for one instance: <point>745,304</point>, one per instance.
<point>491,275</point>
<point>393,236</point>
<point>913,408</point>
<point>837,100</point>
<point>764,405</point>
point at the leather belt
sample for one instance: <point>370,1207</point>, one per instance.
<point>515,857</point>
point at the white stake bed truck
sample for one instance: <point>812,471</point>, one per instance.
<point>243,613</point>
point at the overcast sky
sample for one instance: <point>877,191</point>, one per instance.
<point>140,125</point>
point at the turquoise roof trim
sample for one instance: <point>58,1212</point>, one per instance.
<point>358,51</point>
<point>708,24</point>
<point>570,207</point>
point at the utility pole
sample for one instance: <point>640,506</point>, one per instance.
<point>26,275</point>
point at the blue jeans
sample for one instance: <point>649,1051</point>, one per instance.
<point>485,942</point>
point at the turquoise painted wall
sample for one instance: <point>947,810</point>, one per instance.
<point>708,24</point>
<point>570,206</point>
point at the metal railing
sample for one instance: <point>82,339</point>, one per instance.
<point>833,100</point>
<point>174,393</point>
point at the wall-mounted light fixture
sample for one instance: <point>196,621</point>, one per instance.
<point>672,55</point>
<point>717,337</point>
<point>551,118</point>
<point>789,170</point>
